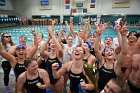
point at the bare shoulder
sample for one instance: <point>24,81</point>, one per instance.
<point>41,71</point>
<point>68,65</point>
<point>22,77</point>
<point>93,57</point>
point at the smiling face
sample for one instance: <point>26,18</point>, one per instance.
<point>108,41</point>
<point>62,32</point>
<point>52,45</point>
<point>78,53</point>
<point>21,53</point>
<point>32,67</point>
<point>92,39</point>
<point>69,40</point>
<point>81,33</point>
<point>22,39</point>
<point>109,53</point>
<point>6,37</point>
<point>40,37</point>
<point>132,37</point>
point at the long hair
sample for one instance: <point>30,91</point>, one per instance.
<point>3,41</point>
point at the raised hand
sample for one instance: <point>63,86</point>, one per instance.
<point>99,31</point>
<point>33,32</point>
<point>117,27</point>
<point>124,30</point>
<point>53,22</point>
<point>71,18</point>
<point>66,22</point>
<point>96,24</point>
<point>49,28</point>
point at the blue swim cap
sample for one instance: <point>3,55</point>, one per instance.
<point>20,46</point>
<point>89,45</point>
<point>109,37</point>
<point>22,35</point>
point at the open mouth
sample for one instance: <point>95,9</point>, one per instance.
<point>110,55</point>
<point>77,54</point>
<point>21,55</point>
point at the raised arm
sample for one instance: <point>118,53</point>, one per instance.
<point>7,56</point>
<point>72,27</point>
<point>89,28</point>
<point>123,53</point>
<point>53,22</point>
<point>59,47</point>
<point>44,47</point>
<point>97,44</point>
<point>61,71</point>
<point>118,28</point>
<point>12,49</point>
<point>68,27</point>
<point>33,50</point>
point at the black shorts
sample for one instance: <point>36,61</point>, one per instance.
<point>133,88</point>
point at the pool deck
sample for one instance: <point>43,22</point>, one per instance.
<point>11,81</point>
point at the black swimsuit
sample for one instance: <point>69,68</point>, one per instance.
<point>49,63</point>
<point>105,75</point>
<point>19,68</point>
<point>75,80</point>
<point>133,88</point>
<point>92,52</point>
<point>30,85</point>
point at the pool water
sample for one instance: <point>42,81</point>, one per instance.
<point>15,32</point>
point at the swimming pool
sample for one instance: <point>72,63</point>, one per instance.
<point>15,32</point>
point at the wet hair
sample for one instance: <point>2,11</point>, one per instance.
<point>136,34</point>
<point>22,35</point>
<point>4,43</point>
<point>103,53</point>
<point>89,45</point>
<point>28,61</point>
<point>69,36</point>
<point>82,48</point>
<point>20,46</point>
<point>119,83</point>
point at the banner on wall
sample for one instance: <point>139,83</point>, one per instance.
<point>6,5</point>
<point>120,3</point>
<point>79,5</point>
<point>67,4</point>
<point>45,4</point>
<point>84,10</point>
<point>92,3</point>
<point>2,2</point>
